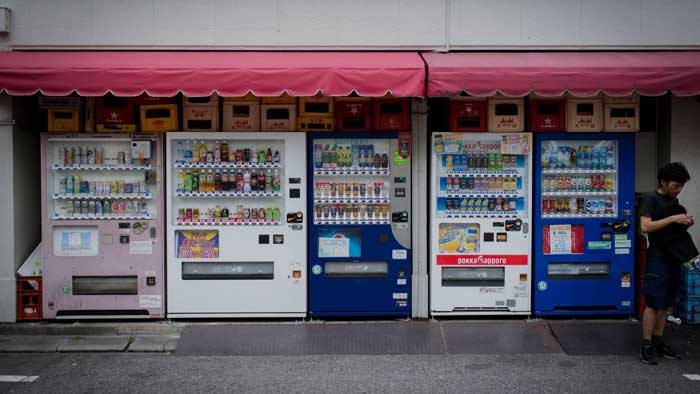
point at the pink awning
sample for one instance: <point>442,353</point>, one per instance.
<point>370,74</point>
<point>553,73</point>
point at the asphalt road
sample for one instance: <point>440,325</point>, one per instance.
<point>462,373</point>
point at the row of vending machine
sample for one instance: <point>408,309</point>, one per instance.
<point>319,224</point>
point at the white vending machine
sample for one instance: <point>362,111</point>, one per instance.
<point>480,242</point>
<point>236,214</point>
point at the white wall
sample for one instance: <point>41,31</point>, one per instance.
<point>343,24</point>
<point>7,262</point>
<point>685,147</point>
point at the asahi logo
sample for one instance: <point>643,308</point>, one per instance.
<point>584,121</point>
<point>507,121</point>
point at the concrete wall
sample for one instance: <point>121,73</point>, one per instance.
<point>7,262</point>
<point>685,147</point>
<point>343,24</point>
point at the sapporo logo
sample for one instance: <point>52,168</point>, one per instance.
<point>481,260</point>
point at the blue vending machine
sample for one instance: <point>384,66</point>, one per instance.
<point>360,237</point>
<point>584,224</point>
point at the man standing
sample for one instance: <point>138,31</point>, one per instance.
<point>662,276</point>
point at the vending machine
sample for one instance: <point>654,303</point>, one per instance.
<point>360,238</point>
<point>102,226</point>
<point>480,236</point>
<point>236,216</point>
<point>584,224</point>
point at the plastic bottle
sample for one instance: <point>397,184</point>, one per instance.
<point>179,151</point>
<point>610,158</point>
<point>195,152</point>
<point>276,181</point>
<point>268,181</point>
<point>246,181</point>
<point>217,152</point>
<point>355,159</point>
<point>261,155</point>
<point>385,160</point>
<point>268,155</point>
<point>202,152</point>
<point>334,156</point>
<point>188,182</point>
<point>276,158</point>
<point>318,156</point>
<point>180,180</point>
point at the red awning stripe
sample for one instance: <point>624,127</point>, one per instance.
<point>369,74</point>
<point>555,73</point>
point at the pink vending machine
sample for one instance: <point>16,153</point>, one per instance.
<point>102,226</point>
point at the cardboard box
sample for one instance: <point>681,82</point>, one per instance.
<point>307,123</point>
<point>391,114</point>
<point>547,114</point>
<point>468,114</point>
<point>353,113</point>
<point>506,114</point>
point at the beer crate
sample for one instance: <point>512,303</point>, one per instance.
<point>283,99</point>
<point>315,124</point>
<point>547,114</point>
<point>115,114</point>
<point>159,118</point>
<point>391,114</point>
<point>29,302</point>
<point>64,120</point>
<point>584,114</point>
<point>353,113</point>
<point>506,114</point>
<point>241,113</point>
<point>145,99</point>
<point>690,282</point>
<point>89,115</point>
<point>200,113</point>
<point>621,113</point>
<point>467,114</point>
<point>689,309</point>
<point>278,117</point>
<point>315,107</point>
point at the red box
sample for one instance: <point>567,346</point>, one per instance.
<point>547,114</point>
<point>391,114</point>
<point>468,114</point>
<point>115,113</point>
<point>353,114</point>
<point>29,298</point>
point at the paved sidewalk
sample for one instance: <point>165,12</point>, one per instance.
<point>571,337</point>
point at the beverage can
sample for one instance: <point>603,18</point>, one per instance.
<point>512,204</point>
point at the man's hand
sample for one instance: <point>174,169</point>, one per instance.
<point>682,218</point>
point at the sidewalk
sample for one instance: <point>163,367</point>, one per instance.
<point>571,337</point>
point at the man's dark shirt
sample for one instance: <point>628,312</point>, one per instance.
<point>673,241</point>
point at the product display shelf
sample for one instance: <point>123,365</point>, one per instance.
<point>226,222</point>
<point>360,200</point>
<point>102,217</point>
<point>214,194</point>
<point>550,171</point>
<point>473,215</point>
<point>146,196</point>
<point>478,195</point>
<point>579,193</point>
<point>577,215</point>
<point>352,221</point>
<point>92,167</point>
<point>481,172</point>
<point>353,171</point>
<point>226,165</point>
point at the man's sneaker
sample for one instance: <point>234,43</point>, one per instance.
<point>646,355</point>
<point>665,351</point>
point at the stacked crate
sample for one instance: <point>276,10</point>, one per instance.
<point>29,298</point>
<point>689,305</point>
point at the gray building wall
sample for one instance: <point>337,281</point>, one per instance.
<point>685,147</point>
<point>342,24</point>
<point>7,261</point>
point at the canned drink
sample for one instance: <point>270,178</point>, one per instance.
<point>580,205</point>
<point>82,155</point>
<point>363,189</point>
<point>84,186</point>
<point>261,214</point>
<point>189,214</point>
<point>91,207</point>
<point>512,204</point>
<point>246,213</point>
<point>92,188</point>
<point>545,205</point>
<point>492,204</point>
<point>90,155</point>
<point>70,209</point>
<point>99,155</point>
<point>181,213</point>
<point>128,188</point>
<point>83,207</point>
<point>67,157</point>
<point>113,187</point>
<point>573,207</point>
<point>609,205</point>
<point>129,208</point>
<point>127,157</point>
<point>143,208</point>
